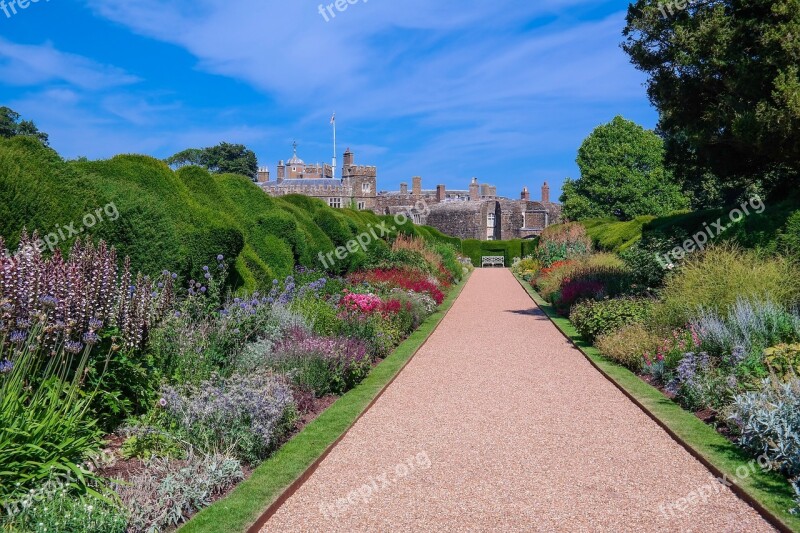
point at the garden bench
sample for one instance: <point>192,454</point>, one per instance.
<point>493,260</point>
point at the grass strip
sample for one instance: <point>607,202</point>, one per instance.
<point>768,489</point>
<point>248,501</point>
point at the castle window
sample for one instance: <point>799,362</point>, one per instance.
<point>524,219</point>
<point>362,206</point>
<point>366,188</point>
<point>335,202</point>
<point>490,220</point>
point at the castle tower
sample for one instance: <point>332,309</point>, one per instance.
<point>441,193</point>
<point>416,186</point>
<point>474,190</point>
<point>545,193</point>
<point>526,195</point>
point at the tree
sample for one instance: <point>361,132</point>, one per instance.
<point>221,159</point>
<point>11,126</point>
<point>725,78</point>
<point>622,176</point>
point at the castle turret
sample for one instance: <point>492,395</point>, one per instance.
<point>545,193</point>
<point>474,190</point>
<point>416,186</point>
<point>526,195</point>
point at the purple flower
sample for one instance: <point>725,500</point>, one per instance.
<point>73,347</point>
<point>162,402</point>
<point>6,366</point>
<point>18,337</point>
<point>205,269</point>
<point>220,257</point>
<point>91,338</point>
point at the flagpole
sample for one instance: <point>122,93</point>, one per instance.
<point>333,120</point>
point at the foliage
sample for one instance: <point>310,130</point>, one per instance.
<point>245,415</point>
<point>324,365</point>
<point>724,78</point>
<point>769,425</point>
<point>562,242</point>
<point>613,235</point>
<point>45,424</point>
<point>716,278</point>
<point>594,318</point>
<point>626,345</point>
<point>622,176</point>
<point>749,325</point>
<point>11,125</point>
<point>168,491</point>
<point>60,510</point>
<point>224,158</point>
<point>784,361</point>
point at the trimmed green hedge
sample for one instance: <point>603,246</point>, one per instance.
<point>475,249</point>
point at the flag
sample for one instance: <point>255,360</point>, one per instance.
<point>333,119</point>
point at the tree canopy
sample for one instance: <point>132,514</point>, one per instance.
<point>11,125</point>
<point>622,176</point>
<point>724,76</point>
<point>225,158</point>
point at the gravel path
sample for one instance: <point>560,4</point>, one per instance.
<point>499,424</point>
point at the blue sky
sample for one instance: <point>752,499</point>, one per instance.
<point>504,90</point>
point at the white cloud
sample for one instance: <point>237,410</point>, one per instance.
<point>33,65</point>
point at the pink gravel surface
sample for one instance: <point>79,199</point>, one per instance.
<point>500,424</point>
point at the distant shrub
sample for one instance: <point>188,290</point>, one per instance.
<point>626,346</point>
<point>595,318</point>
<point>561,242</point>
<point>789,237</point>
<point>718,277</point>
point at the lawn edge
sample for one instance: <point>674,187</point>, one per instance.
<point>720,456</point>
<point>255,500</point>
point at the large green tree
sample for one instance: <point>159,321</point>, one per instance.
<point>622,176</point>
<point>724,76</point>
<point>11,125</point>
<point>225,158</point>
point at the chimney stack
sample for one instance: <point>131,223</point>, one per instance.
<point>526,195</point>
<point>263,175</point>
<point>474,190</point>
<point>416,186</point>
<point>281,171</point>
<point>404,188</point>
<point>545,193</point>
<point>441,193</point>
<point>348,158</point>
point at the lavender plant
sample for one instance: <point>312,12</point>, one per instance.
<point>242,415</point>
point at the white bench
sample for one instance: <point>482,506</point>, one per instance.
<point>493,260</point>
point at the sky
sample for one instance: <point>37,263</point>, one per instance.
<point>501,90</point>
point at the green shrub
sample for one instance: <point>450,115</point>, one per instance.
<point>716,278</point>
<point>594,318</point>
<point>627,346</point>
<point>63,511</point>
<point>783,360</point>
<point>45,427</point>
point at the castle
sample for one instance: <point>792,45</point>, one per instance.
<point>473,213</point>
